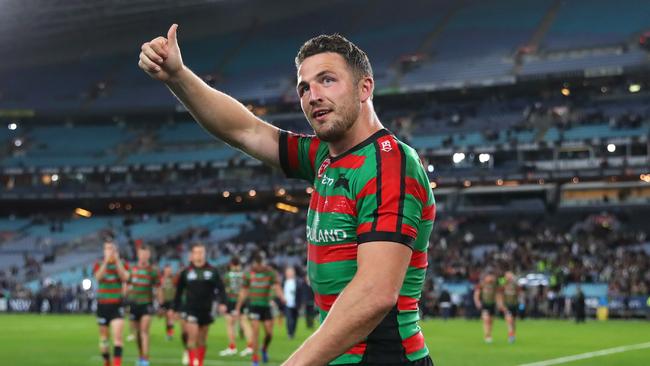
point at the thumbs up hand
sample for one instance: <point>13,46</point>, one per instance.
<point>161,57</point>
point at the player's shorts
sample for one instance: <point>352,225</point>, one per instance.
<point>137,311</point>
<point>200,317</point>
<point>167,305</point>
<point>231,305</point>
<point>259,313</point>
<point>489,308</point>
<point>512,310</point>
<point>106,313</point>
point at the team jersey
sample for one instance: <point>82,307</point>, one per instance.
<point>200,286</point>
<point>110,286</point>
<point>168,287</point>
<point>376,191</point>
<point>488,291</point>
<point>510,293</point>
<point>142,281</point>
<point>233,282</point>
<point>260,286</point>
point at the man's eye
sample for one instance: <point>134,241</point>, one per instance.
<point>327,81</point>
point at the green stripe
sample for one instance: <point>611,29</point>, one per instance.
<point>345,359</point>
<point>413,282</point>
<point>331,278</point>
<point>408,323</point>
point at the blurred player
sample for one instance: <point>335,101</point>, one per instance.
<point>260,282</point>
<point>199,284</point>
<point>110,273</point>
<point>233,282</point>
<point>508,300</point>
<point>485,300</point>
<point>143,281</point>
<point>372,203</point>
<point>166,292</point>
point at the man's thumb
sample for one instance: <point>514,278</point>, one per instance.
<point>171,34</point>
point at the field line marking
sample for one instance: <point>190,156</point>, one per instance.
<point>593,354</point>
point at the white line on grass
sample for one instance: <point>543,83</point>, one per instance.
<point>593,354</point>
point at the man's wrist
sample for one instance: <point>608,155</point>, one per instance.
<point>178,77</point>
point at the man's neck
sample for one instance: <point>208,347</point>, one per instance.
<point>364,127</point>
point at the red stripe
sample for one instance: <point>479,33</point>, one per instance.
<point>292,151</point>
<point>331,253</point>
<point>350,162</point>
<point>332,204</point>
<point>110,291</point>
<point>414,188</point>
<point>429,213</point>
<point>109,301</point>
<point>106,280</point>
<point>407,303</point>
<point>391,164</point>
<point>368,189</point>
<point>418,259</point>
<point>409,230</point>
<point>324,302</point>
<point>413,343</point>
<point>364,228</point>
<point>358,349</point>
<point>313,148</point>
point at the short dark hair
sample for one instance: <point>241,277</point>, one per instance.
<point>258,257</point>
<point>234,260</point>
<point>336,43</point>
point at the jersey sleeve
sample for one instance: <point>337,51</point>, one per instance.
<point>392,205</point>
<point>246,283</point>
<point>155,277</point>
<point>298,154</point>
<point>96,267</point>
<point>180,287</point>
<point>221,290</point>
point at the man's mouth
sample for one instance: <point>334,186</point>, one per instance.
<point>320,114</point>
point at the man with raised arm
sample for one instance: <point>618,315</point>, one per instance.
<point>372,209</point>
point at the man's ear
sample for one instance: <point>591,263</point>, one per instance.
<point>366,88</point>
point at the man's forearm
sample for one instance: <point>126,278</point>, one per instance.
<point>357,311</point>
<point>100,272</point>
<point>220,114</point>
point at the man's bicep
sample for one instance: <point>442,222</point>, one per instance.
<point>384,263</point>
<point>262,143</point>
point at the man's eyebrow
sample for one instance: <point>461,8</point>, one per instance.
<point>326,71</point>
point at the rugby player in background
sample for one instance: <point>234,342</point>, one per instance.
<point>260,283</point>
<point>143,282</point>
<point>111,274</point>
<point>200,283</point>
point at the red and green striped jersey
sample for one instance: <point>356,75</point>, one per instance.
<point>233,282</point>
<point>110,286</point>
<point>142,281</point>
<point>376,191</point>
<point>168,285</point>
<point>260,286</point>
<point>488,290</point>
<point>510,291</point>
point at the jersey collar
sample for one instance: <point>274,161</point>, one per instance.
<point>372,138</point>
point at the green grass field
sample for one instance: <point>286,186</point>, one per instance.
<point>72,341</point>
